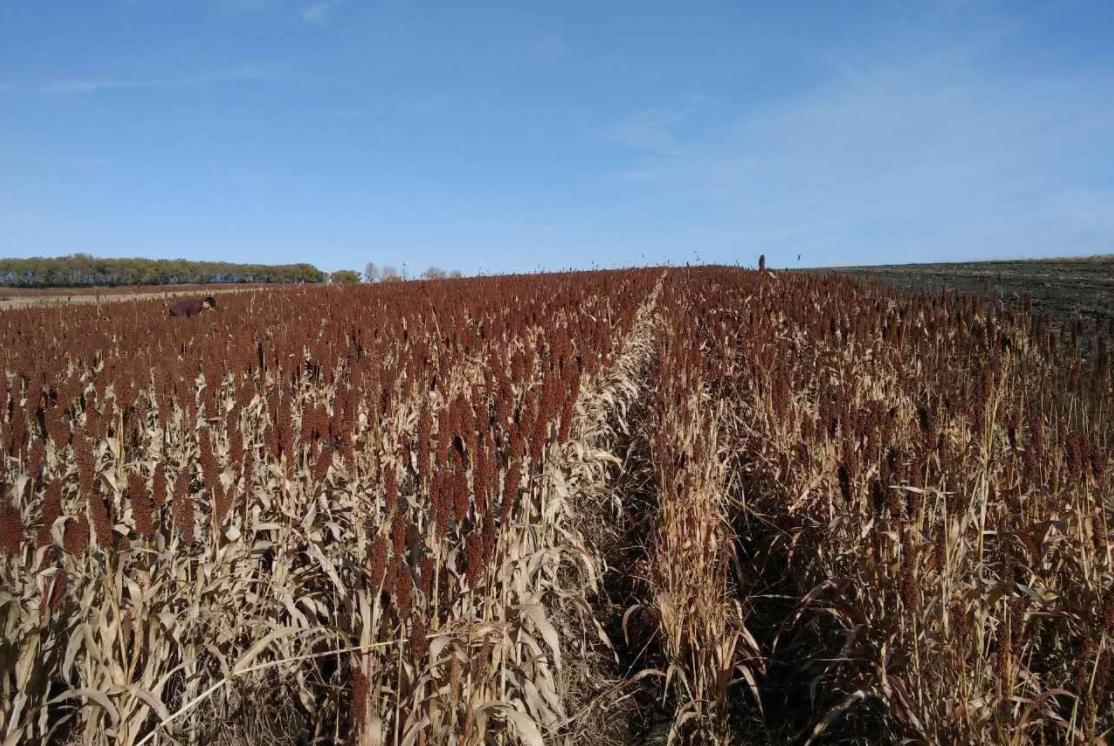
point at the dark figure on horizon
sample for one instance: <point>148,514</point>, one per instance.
<point>192,307</point>
<point>762,263</point>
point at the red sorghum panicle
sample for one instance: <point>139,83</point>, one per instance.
<point>36,459</point>
<point>391,487</point>
<point>17,433</point>
<point>1076,460</point>
<point>489,538</point>
<point>485,652</point>
<point>480,478</point>
<point>222,502</point>
<point>52,511</point>
<point>102,520</point>
<point>940,554</point>
<point>419,644</point>
<point>359,685</point>
<point>248,471</point>
<point>378,556</point>
<point>75,537</point>
<point>209,468</point>
<point>427,572</point>
<point>910,591</point>
<point>55,595</point>
<point>538,437</point>
<point>475,559</point>
<point>11,529</point>
<point>518,442</point>
<point>510,488</point>
<point>159,486</point>
<point>270,441</point>
<point>402,592</point>
<point>141,506</point>
<point>398,532</point>
<point>183,507</point>
<point>86,467</point>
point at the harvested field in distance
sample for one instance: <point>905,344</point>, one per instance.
<point>702,505</point>
<point>1062,288</point>
<point>27,297</point>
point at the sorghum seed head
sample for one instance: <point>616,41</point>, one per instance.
<point>11,529</point>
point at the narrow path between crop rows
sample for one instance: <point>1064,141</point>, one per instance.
<point>694,595</point>
<point>615,524</point>
<point>660,529</point>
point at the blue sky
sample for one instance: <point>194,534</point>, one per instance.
<point>510,136</point>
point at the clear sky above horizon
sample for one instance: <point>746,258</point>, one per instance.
<point>517,135</point>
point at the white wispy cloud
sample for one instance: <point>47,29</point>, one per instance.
<point>320,13</point>
<point>81,85</point>
<point>655,129</point>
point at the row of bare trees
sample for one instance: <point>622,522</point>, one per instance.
<point>388,273</point>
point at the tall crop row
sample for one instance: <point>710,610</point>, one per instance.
<point>689,575</point>
<point>929,479</point>
<point>316,513</point>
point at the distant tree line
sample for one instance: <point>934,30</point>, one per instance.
<point>345,277</point>
<point>373,273</point>
<point>84,270</point>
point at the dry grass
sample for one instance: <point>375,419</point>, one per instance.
<point>13,298</point>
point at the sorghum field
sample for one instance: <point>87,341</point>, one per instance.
<point>703,505</point>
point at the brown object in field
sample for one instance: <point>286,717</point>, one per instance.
<point>192,307</point>
<point>762,267</point>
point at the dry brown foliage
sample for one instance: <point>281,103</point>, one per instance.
<point>386,515</point>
